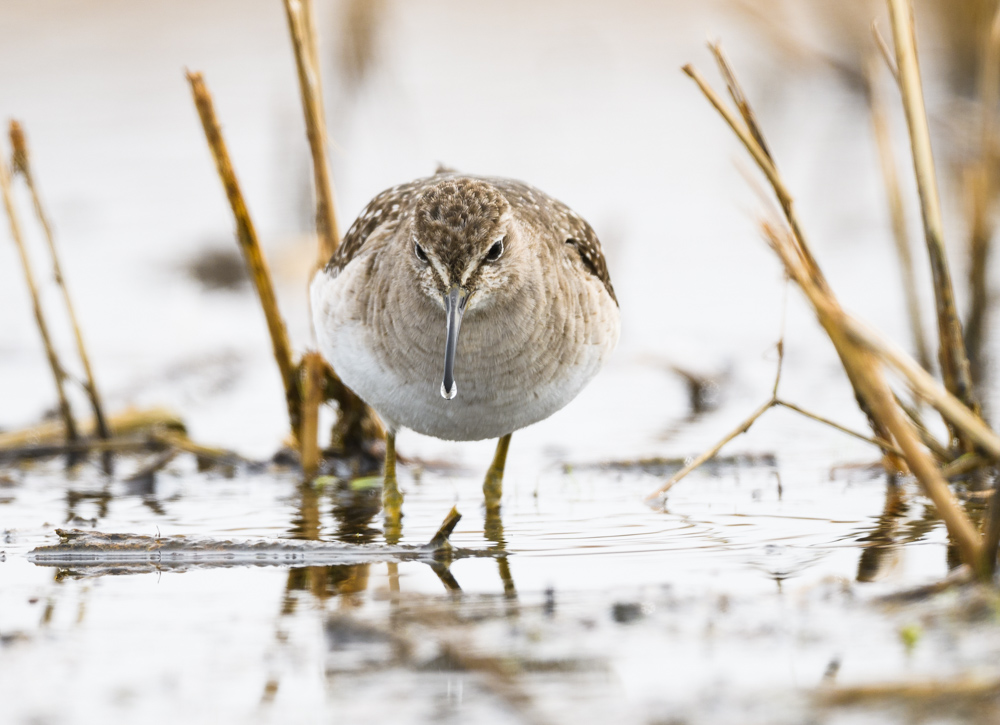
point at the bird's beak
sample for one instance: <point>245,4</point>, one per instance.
<point>454,306</point>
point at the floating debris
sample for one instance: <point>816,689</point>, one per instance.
<point>96,553</point>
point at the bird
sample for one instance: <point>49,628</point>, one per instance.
<point>465,308</point>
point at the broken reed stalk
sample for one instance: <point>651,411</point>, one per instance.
<point>862,367</point>
<point>22,165</point>
<point>130,421</point>
<point>982,188</point>
<point>952,354</point>
<point>246,234</point>
<point>302,27</point>
<point>313,372</point>
<point>58,372</point>
<point>894,198</point>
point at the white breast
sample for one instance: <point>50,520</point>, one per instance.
<point>506,380</point>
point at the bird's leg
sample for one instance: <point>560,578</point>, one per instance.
<point>493,485</point>
<point>392,499</point>
<point>493,490</point>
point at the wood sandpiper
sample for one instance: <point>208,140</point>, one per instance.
<point>521,274</point>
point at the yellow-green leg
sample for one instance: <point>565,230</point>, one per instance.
<point>392,499</point>
<point>493,491</point>
<point>493,485</point>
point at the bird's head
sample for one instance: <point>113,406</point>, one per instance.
<point>463,238</point>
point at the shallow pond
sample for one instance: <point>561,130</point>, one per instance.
<point>756,594</point>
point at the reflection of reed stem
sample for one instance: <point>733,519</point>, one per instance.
<point>58,372</point>
<point>22,164</point>
<point>246,234</point>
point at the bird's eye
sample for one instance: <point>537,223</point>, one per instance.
<point>419,251</point>
<point>495,251</point>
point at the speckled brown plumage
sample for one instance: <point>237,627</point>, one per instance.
<point>541,315</point>
<point>399,203</point>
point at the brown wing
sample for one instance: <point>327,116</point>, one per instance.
<point>539,208</point>
<point>387,209</point>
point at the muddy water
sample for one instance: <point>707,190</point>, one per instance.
<point>748,598</point>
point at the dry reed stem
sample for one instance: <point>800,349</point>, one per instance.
<point>35,451</point>
<point>862,368</point>
<point>991,538</point>
<point>58,372</point>
<point>912,693</point>
<point>313,370</point>
<point>302,27</point>
<point>132,420</point>
<point>982,190</point>
<point>964,464</point>
<point>940,451</point>
<point>894,197</point>
<point>711,452</point>
<point>884,445</point>
<point>885,52</point>
<point>22,165</point>
<point>926,387</point>
<point>952,354</point>
<point>876,392</point>
<point>246,234</point>
<point>181,442</point>
<point>743,427</point>
<point>749,139</point>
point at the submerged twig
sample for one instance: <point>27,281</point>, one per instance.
<point>58,371</point>
<point>302,26</point>
<point>22,165</point>
<point>952,353</point>
<point>246,234</point>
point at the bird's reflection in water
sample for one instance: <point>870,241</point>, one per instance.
<point>494,533</point>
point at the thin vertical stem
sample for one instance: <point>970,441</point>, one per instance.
<point>58,372</point>
<point>897,214</point>
<point>302,27</point>
<point>952,353</point>
<point>22,164</point>
<point>246,234</point>
<point>313,378</point>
